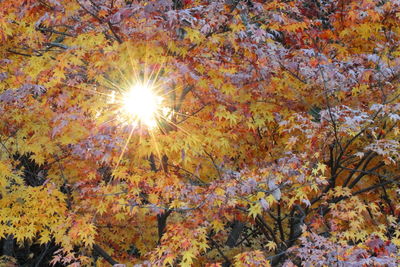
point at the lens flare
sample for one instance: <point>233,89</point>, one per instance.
<point>142,104</point>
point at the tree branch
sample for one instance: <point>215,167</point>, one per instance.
<point>104,254</point>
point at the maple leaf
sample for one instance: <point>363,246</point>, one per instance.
<point>277,119</point>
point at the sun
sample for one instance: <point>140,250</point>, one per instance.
<point>142,104</point>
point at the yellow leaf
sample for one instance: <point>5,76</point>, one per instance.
<point>271,245</point>
<point>217,225</point>
<point>255,209</point>
<point>187,258</point>
<point>219,192</point>
<point>321,167</point>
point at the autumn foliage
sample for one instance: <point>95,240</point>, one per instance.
<point>275,141</point>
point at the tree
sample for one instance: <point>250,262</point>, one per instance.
<point>273,138</point>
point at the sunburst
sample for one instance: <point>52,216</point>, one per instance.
<point>141,99</point>
<point>142,104</point>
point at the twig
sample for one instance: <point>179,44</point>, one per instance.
<point>104,254</point>
<point>219,250</point>
<point>18,53</point>
<point>119,40</point>
<point>372,187</point>
<point>54,31</point>
<point>215,164</point>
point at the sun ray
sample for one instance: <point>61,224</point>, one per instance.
<point>114,85</point>
<point>127,81</point>
<point>176,125</point>
<point>95,92</point>
<point>154,140</point>
<point>134,68</point>
<point>88,90</point>
<point>108,121</point>
<point>125,146</point>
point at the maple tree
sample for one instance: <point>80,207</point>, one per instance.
<point>273,139</point>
